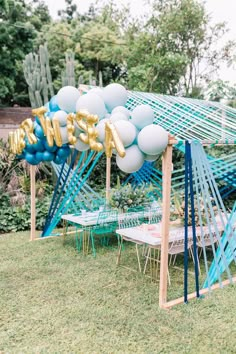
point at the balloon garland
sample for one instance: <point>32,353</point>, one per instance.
<point>94,119</point>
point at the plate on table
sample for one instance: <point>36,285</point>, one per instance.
<point>156,234</point>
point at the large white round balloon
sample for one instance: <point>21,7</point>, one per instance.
<point>67,97</point>
<point>92,103</point>
<point>80,146</point>
<point>151,157</point>
<point>64,135</point>
<point>115,117</point>
<point>101,130</point>
<point>121,109</point>
<point>126,132</point>
<point>132,161</point>
<point>152,139</point>
<point>142,116</point>
<point>98,91</point>
<point>62,117</point>
<point>114,95</point>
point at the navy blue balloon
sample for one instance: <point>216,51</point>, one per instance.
<point>48,156</point>
<point>53,104</point>
<point>31,159</point>
<point>49,148</point>
<point>38,131</point>
<point>63,152</point>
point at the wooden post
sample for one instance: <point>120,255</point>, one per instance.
<point>108,179</point>
<point>166,193</point>
<point>32,202</point>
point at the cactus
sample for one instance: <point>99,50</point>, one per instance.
<point>68,75</point>
<point>100,80</point>
<point>38,77</point>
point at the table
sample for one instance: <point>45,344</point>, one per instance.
<point>90,219</point>
<point>150,235</point>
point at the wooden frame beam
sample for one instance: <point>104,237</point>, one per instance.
<point>165,225</point>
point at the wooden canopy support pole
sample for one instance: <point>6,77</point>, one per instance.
<point>202,292</point>
<point>166,192</point>
<point>108,179</point>
<point>32,202</point>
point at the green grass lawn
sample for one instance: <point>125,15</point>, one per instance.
<point>54,300</point>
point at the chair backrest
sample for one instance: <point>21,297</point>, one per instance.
<point>129,219</point>
<point>155,215</point>
<point>107,217</point>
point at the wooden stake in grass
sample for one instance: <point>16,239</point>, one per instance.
<point>32,202</point>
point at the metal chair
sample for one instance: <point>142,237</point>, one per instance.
<point>106,224</point>
<point>127,220</point>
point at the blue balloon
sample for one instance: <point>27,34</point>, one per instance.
<point>37,120</point>
<point>21,156</point>
<point>31,159</point>
<point>29,148</point>
<point>47,105</point>
<point>53,104</point>
<point>39,156</point>
<point>58,160</point>
<point>49,148</point>
<point>38,131</point>
<point>48,156</point>
<point>63,152</point>
<point>39,146</point>
<point>50,114</point>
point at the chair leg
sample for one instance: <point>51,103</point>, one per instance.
<point>146,262</point>
<point>119,251</point>
<point>137,252</point>
<point>77,242</point>
<point>168,275</point>
<point>93,247</point>
<point>174,259</point>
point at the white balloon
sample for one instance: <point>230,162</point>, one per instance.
<point>92,103</point>
<point>78,131</point>
<point>107,115</point>
<point>152,139</point>
<point>114,95</point>
<point>136,137</point>
<point>121,109</point>
<point>142,116</point>
<point>126,132</point>
<point>80,146</point>
<point>151,157</point>
<point>64,135</point>
<point>98,91</point>
<point>61,116</point>
<point>115,117</point>
<point>101,130</point>
<point>132,161</point>
<point>67,97</point>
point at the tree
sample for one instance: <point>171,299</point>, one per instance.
<point>176,48</point>
<point>70,11</point>
<point>222,90</point>
<point>19,22</point>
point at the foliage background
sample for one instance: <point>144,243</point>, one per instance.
<point>171,51</point>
